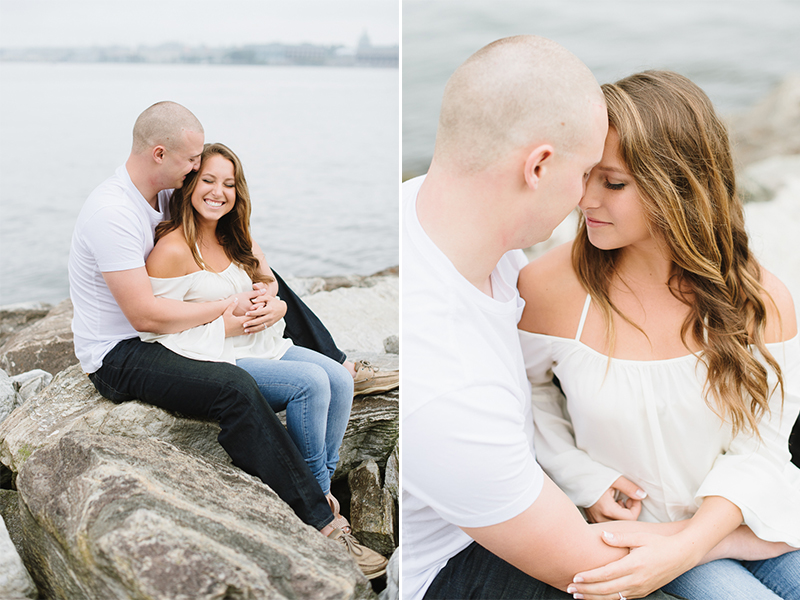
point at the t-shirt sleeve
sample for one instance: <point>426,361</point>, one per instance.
<point>467,456</point>
<point>113,235</point>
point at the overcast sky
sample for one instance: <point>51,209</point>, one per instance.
<point>52,23</point>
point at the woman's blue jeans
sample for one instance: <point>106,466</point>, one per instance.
<point>250,433</point>
<point>317,394</point>
<point>773,579</point>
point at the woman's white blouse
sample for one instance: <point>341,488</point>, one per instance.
<point>647,420</point>
<point>208,342</point>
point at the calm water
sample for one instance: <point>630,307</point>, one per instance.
<point>319,148</point>
<point>736,50</point>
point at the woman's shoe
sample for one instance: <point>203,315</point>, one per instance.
<point>370,562</point>
<point>371,380</point>
<point>339,522</point>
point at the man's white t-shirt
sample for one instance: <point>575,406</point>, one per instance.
<point>468,458</point>
<point>114,232</point>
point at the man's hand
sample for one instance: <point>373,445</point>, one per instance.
<point>234,325</point>
<point>611,507</point>
<point>245,301</point>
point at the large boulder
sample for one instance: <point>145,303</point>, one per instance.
<point>113,517</point>
<point>46,345</point>
<point>360,318</point>
<point>14,317</point>
<point>372,509</point>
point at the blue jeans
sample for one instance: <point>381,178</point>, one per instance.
<point>477,573</point>
<point>317,393</point>
<point>250,433</point>
<point>773,579</point>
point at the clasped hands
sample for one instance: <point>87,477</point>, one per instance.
<point>252,311</point>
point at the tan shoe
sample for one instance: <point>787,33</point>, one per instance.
<point>371,380</point>
<point>370,562</point>
<point>339,521</point>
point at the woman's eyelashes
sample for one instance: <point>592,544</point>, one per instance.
<point>613,186</point>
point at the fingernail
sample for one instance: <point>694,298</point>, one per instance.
<point>577,579</point>
<point>608,536</point>
<point>572,589</point>
<point>578,596</point>
<point>641,494</point>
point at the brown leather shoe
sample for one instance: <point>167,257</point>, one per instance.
<point>339,521</point>
<point>371,380</point>
<point>370,562</point>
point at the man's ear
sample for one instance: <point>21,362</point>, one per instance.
<point>158,154</point>
<point>536,164</point>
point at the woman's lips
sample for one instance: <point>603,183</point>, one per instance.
<point>595,222</point>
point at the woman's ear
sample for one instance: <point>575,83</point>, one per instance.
<point>536,164</point>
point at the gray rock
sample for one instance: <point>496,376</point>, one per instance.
<point>14,578</point>
<point>46,345</point>
<point>9,510</point>
<point>14,317</point>
<point>372,510</point>
<point>392,477</point>
<point>391,345</point>
<point>114,517</point>
<point>360,318</point>
<point>71,403</point>
<point>762,181</point>
<point>9,398</point>
<point>371,433</point>
<point>771,127</point>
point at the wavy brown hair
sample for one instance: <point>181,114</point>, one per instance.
<point>677,151</point>
<point>233,229</point>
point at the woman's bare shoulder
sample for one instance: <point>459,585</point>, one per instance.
<point>552,292</point>
<point>781,316</point>
<point>171,257</point>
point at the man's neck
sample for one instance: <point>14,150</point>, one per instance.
<point>453,212</point>
<point>142,180</point>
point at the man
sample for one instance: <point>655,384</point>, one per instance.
<point>522,123</point>
<point>113,301</point>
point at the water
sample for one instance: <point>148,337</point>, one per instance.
<point>319,148</point>
<point>735,50</point>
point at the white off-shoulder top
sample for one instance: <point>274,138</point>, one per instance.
<point>647,420</point>
<point>208,342</point>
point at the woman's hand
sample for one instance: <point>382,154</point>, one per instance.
<point>653,561</point>
<point>610,507</point>
<point>267,310</point>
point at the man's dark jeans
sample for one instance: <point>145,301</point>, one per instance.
<point>251,433</point>
<point>476,573</point>
<point>303,327</point>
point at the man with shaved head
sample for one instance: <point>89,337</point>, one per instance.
<point>522,123</point>
<point>113,301</point>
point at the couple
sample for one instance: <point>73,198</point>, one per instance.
<point>162,251</point>
<point>677,353</point>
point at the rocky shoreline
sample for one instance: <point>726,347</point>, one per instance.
<point>129,501</point>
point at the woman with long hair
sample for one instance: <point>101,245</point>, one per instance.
<point>677,353</point>
<point>205,252</point>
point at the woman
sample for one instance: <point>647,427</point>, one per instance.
<point>205,252</point>
<point>677,353</point>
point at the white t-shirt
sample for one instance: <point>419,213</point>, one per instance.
<point>467,428</point>
<point>114,232</point>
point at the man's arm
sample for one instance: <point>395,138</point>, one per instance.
<point>134,295</point>
<point>550,541</point>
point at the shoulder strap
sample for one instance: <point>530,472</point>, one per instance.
<point>583,316</point>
